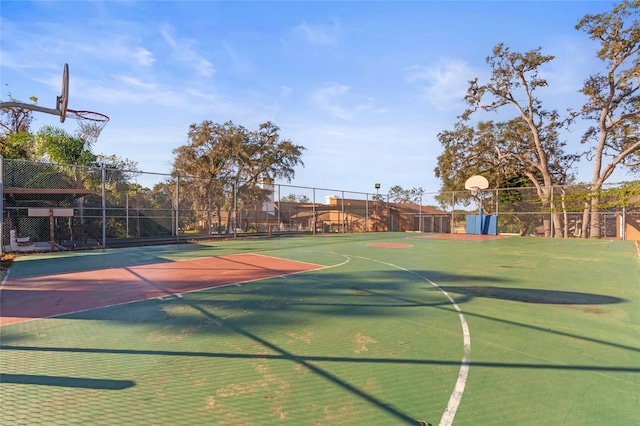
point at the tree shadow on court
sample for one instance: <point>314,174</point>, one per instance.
<point>529,295</point>
<point>67,382</point>
<point>302,299</point>
<point>254,310</point>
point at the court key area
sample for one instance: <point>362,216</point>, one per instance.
<point>363,329</point>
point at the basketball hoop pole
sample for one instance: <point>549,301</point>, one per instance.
<point>476,184</point>
<point>38,108</point>
<point>479,211</point>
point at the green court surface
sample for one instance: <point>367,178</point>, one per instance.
<point>510,331</point>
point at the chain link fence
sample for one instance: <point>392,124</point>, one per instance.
<point>62,207</point>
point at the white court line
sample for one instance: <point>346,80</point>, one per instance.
<point>458,390</point>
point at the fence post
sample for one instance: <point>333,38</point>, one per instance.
<point>420,215</point>
<point>126,206</point>
<point>1,205</point>
<point>279,206</point>
<point>104,205</point>
<point>177,208</point>
<point>552,205</point>
<point>313,226</point>
<point>342,216</point>
<point>366,213</point>
<point>235,209</point>
<point>453,211</point>
<point>389,219</point>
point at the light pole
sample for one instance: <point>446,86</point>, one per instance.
<point>375,205</point>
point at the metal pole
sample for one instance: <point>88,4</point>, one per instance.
<point>209,214</point>
<point>376,207</point>
<point>551,214</point>
<point>342,218</point>
<point>176,207</point>
<point>366,214</point>
<point>1,204</point>
<point>126,207</point>
<point>279,186</point>
<point>497,210</point>
<point>314,212</point>
<point>235,209</point>
<point>420,225</point>
<point>479,228</point>
<point>389,219</point>
<point>104,206</point>
<point>453,211</point>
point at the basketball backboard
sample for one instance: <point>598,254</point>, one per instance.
<point>476,182</point>
<point>61,101</point>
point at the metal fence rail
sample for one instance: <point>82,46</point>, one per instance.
<point>101,207</point>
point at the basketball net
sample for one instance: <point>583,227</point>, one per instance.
<point>90,123</point>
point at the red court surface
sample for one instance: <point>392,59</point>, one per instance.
<point>389,245</point>
<point>24,299</point>
<point>464,237</point>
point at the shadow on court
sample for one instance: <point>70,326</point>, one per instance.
<point>67,382</point>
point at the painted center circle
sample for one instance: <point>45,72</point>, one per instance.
<point>390,245</point>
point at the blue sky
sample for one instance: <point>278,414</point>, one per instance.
<point>364,86</point>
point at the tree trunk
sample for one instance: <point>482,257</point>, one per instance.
<point>219,222</point>
<point>596,221</point>
<point>585,221</point>
<point>229,221</point>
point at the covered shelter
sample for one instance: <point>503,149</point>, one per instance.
<point>38,233</point>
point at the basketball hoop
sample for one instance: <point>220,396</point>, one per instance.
<point>476,184</point>
<point>91,124</point>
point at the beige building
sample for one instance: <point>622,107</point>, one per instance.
<point>346,215</point>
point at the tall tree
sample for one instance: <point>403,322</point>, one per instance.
<point>206,164</point>
<point>532,137</point>
<point>226,160</point>
<point>398,194</point>
<point>16,139</point>
<point>268,157</point>
<point>469,151</point>
<point>613,101</point>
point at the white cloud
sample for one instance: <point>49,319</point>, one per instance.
<point>185,52</point>
<point>443,85</point>
<point>236,61</point>
<point>285,91</point>
<point>319,34</point>
<point>334,99</point>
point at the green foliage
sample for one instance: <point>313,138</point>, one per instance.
<point>17,145</point>
<point>223,162</point>
<point>58,146</point>
<point>625,195</point>
<point>397,194</point>
<point>613,96</point>
<point>16,140</point>
<point>292,198</point>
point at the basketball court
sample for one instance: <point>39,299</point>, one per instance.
<point>386,328</point>
<point>359,329</point>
